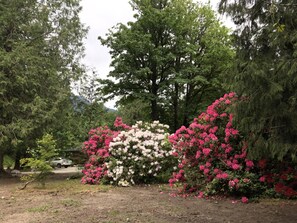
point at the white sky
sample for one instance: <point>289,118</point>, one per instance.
<point>99,16</point>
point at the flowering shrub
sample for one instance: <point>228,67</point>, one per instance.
<point>133,155</point>
<point>138,155</point>
<point>97,148</point>
<point>281,177</point>
<point>213,158</point>
<point>119,125</point>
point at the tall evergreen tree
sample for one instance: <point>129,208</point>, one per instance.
<point>40,48</point>
<point>266,74</point>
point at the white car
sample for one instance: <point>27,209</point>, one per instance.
<point>59,162</point>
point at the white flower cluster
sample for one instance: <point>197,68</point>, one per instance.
<point>155,127</point>
<point>123,183</point>
<point>138,153</point>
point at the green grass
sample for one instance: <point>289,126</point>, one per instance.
<point>71,203</point>
<point>67,186</point>
<point>114,213</point>
<point>42,208</point>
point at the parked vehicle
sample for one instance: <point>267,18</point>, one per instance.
<point>60,161</point>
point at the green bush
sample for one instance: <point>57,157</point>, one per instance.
<point>8,162</point>
<point>39,160</point>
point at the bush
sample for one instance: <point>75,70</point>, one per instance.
<point>39,160</point>
<point>213,158</point>
<point>137,154</point>
<point>278,177</point>
<point>8,162</point>
<point>97,148</point>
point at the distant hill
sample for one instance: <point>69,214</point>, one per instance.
<point>110,110</point>
<point>79,102</point>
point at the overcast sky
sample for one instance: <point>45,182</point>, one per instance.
<point>99,16</point>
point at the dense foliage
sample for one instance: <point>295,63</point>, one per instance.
<point>39,162</point>
<point>167,59</point>
<point>97,148</point>
<point>128,155</point>
<point>40,49</point>
<point>265,74</point>
<point>140,154</point>
<point>213,158</point>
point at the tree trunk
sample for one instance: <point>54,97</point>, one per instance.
<point>17,165</point>
<point>154,91</point>
<point>1,161</point>
<point>175,107</point>
<point>154,112</point>
<point>186,113</point>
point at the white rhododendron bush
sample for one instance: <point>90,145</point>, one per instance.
<point>137,154</point>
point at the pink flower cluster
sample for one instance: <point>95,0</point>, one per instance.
<point>120,125</point>
<point>97,148</point>
<point>213,158</point>
<point>210,151</point>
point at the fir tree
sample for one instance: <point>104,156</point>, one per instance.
<point>40,49</point>
<point>266,74</point>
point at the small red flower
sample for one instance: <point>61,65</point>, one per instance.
<point>244,200</point>
<point>262,163</point>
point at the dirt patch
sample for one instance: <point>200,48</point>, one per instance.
<point>68,201</point>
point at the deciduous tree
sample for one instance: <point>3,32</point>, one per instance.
<point>168,57</point>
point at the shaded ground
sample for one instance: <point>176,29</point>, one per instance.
<point>65,201</point>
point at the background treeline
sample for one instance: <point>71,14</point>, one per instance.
<point>40,52</point>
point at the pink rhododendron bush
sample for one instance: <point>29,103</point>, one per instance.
<point>213,158</point>
<point>127,155</point>
<point>97,149</point>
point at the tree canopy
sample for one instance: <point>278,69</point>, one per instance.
<point>40,48</point>
<point>266,74</point>
<point>168,58</point>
